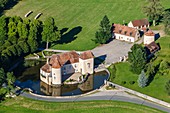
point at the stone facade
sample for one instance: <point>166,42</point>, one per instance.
<point>66,63</point>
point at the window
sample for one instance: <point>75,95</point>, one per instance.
<point>88,64</point>
<point>75,65</point>
<point>130,33</point>
<point>54,77</point>
<point>125,32</point>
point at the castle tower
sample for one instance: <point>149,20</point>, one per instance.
<point>86,63</point>
<point>149,37</point>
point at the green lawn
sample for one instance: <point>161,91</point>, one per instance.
<point>23,105</point>
<point>85,14</point>
<point>157,86</point>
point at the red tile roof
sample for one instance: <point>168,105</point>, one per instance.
<point>140,22</point>
<point>46,68</point>
<point>124,30</point>
<point>150,33</point>
<point>86,55</point>
<point>59,60</point>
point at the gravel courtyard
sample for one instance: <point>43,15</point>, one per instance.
<point>113,50</point>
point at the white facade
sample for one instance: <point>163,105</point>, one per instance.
<point>148,39</point>
<point>130,24</point>
<point>84,66</point>
<point>126,38</point>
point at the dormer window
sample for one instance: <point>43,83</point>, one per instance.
<point>130,33</point>
<point>120,31</point>
<point>125,32</point>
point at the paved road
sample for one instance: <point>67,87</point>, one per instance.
<point>115,95</point>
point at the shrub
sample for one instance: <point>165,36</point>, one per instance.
<point>112,70</point>
<point>132,82</point>
<point>167,87</point>
<point>123,82</point>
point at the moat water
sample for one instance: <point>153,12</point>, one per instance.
<point>28,77</point>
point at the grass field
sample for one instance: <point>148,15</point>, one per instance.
<point>85,14</point>
<point>157,86</point>
<point>23,105</point>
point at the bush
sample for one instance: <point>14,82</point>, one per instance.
<point>112,70</point>
<point>167,87</point>
<point>123,82</point>
<point>131,82</point>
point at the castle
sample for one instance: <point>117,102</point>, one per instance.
<point>63,64</point>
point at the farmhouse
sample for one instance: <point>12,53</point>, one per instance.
<point>63,64</point>
<point>125,33</point>
<point>139,24</point>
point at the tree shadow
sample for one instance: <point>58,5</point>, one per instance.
<point>7,6</point>
<point>70,35</point>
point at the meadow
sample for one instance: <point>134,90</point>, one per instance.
<point>157,87</point>
<point>24,105</point>
<point>80,19</point>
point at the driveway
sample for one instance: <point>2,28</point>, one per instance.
<point>113,50</point>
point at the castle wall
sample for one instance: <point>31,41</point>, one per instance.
<point>70,68</point>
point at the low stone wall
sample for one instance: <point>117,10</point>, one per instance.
<point>139,94</point>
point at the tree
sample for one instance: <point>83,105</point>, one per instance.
<point>138,58</point>
<point>104,33</point>
<point>142,80</point>
<point>3,30</point>
<point>2,76</point>
<point>154,10</point>
<point>10,80</point>
<point>22,31</point>
<point>166,21</point>
<point>33,45</point>
<point>49,31</point>
<point>164,67</point>
<point>167,87</point>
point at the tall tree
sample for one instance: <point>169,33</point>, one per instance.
<point>154,10</point>
<point>137,57</point>
<point>3,30</point>
<point>104,33</point>
<point>166,21</point>
<point>2,76</point>
<point>49,31</point>
<point>142,80</point>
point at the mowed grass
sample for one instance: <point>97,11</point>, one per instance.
<point>157,87</point>
<point>24,105</point>
<point>84,13</point>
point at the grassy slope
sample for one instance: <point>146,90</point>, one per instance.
<point>23,105</point>
<point>84,13</point>
<point>157,86</point>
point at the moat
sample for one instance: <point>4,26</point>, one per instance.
<point>28,77</point>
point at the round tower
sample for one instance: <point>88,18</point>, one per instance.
<point>149,37</point>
